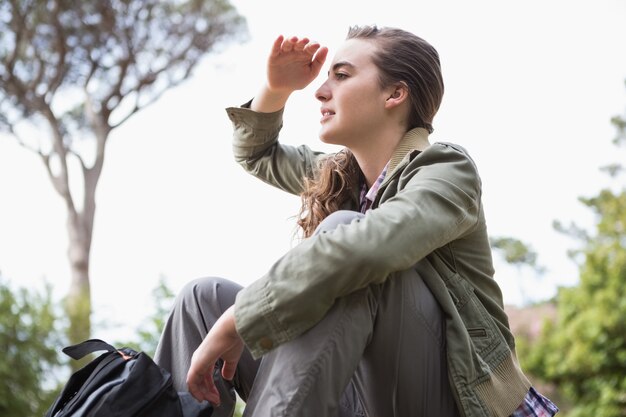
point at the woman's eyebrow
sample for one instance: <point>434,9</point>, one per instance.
<point>341,64</point>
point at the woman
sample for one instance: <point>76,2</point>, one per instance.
<point>388,307</point>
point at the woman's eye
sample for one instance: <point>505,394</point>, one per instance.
<point>340,75</point>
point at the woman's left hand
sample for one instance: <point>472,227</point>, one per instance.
<point>222,341</point>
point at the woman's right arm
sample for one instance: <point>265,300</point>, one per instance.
<point>256,150</point>
<point>292,65</point>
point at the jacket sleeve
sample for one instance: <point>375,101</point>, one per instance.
<point>256,149</point>
<point>437,201</point>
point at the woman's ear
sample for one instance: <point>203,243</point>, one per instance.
<point>398,94</point>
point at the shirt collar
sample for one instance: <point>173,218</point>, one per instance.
<point>416,138</point>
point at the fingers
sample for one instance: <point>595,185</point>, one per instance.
<point>300,44</point>
<point>202,387</point>
<point>228,370</point>
<point>319,59</point>
<point>213,395</point>
<point>277,45</point>
<point>295,44</point>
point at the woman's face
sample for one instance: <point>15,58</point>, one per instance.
<point>352,101</point>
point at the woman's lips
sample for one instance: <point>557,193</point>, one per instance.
<point>326,114</point>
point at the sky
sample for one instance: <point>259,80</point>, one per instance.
<point>530,90</point>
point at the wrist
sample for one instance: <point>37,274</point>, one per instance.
<point>269,100</point>
<point>228,319</point>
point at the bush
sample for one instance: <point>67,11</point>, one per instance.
<point>29,363</point>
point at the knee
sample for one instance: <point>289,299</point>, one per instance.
<point>204,284</point>
<point>208,290</point>
<point>336,218</point>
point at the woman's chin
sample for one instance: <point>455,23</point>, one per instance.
<point>327,138</point>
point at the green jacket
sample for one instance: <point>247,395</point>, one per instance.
<point>427,215</point>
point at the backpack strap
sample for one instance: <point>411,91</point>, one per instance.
<point>83,349</point>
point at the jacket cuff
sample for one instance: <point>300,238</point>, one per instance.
<point>252,128</point>
<point>255,321</point>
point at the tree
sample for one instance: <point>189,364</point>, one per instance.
<point>28,363</point>
<point>518,254</point>
<point>584,350</point>
<point>79,70</point>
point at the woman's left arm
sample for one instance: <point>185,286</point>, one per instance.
<point>437,201</point>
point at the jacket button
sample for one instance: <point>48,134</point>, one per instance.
<point>266,343</point>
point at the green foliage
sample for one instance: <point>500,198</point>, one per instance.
<point>519,254</point>
<point>239,407</point>
<point>31,337</point>
<point>583,352</point>
<point>515,251</point>
<point>29,360</point>
<point>149,331</point>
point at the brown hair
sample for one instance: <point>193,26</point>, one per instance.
<point>333,186</point>
<point>401,57</point>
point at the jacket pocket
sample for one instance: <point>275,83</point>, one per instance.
<point>481,329</point>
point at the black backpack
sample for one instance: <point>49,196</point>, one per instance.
<point>122,383</point>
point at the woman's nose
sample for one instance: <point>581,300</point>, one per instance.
<point>323,93</point>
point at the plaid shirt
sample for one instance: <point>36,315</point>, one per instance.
<point>534,404</point>
<point>368,196</point>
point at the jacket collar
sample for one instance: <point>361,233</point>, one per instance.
<point>414,139</point>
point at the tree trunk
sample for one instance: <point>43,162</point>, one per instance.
<point>79,224</point>
<point>78,300</point>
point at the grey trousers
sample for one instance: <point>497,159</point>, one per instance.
<point>378,352</point>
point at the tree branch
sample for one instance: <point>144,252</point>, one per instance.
<point>116,89</point>
<point>151,77</point>
<point>40,74</point>
<point>23,144</point>
<point>152,100</point>
<point>60,181</point>
<point>19,26</point>
<point>60,68</point>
